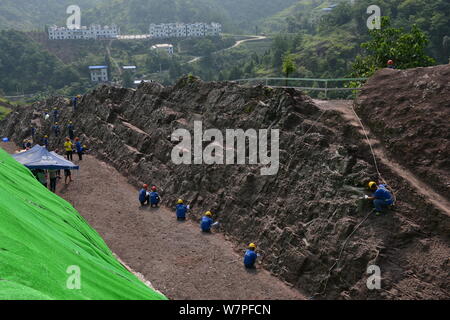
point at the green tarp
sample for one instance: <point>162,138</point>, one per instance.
<point>48,251</point>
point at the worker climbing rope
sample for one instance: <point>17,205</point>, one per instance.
<point>382,198</point>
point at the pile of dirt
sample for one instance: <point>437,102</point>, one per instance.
<point>409,110</point>
<point>300,217</point>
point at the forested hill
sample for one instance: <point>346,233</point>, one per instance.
<point>348,21</point>
<point>136,15</point>
<point>238,16</point>
<point>35,14</point>
<point>27,67</point>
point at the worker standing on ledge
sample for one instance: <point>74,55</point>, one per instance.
<point>45,141</point>
<point>143,195</point>
<point>70,129</point>
<point>206,222</point>
<point>181,210</point>
<point>381,197</point>
<point>154,198</point>
<point>250,256</point>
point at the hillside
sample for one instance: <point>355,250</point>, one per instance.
<point>44,239</point>
<point>237,16</point>
<point>27,67</point>
<point>35,14</point>
<point>300,217</point>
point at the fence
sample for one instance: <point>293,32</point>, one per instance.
<point>317,84</point>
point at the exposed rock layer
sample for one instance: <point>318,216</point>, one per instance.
<point>300,217</point>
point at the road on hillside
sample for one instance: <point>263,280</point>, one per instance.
<point>238,43</point>
<point>174,256</point>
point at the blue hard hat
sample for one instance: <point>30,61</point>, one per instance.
<point>5,139</point>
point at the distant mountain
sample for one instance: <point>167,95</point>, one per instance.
<point>35,14</point>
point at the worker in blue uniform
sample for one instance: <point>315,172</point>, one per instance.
<point>382,198</point>
<point>143,195</point>
<point>154,197</point>
<point>250,256</point>
<point>206,222</point>
<point>181,210</point>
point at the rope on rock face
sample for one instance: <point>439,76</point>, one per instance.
<point>373,155</point>
<point>340,254</point>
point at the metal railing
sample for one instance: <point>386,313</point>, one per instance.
<point>317,84</point>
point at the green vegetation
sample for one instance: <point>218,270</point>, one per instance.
<point>317,43</point>
<point>32,15</point>
<point>237,16</point>
<point>407,50</point>
<point>26,67</point>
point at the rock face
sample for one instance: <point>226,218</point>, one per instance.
<point>299,217</point>
<point>409,110</point>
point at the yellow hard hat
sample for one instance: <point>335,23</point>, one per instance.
<point>252,245</point>
<point>208,213</point>
<point>371,184</point>
<point>180,201</point>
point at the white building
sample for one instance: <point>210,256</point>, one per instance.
<point>178,30</point>
<point>129,68</point>
<point>163,47</point>
<point>138,82</point>
<point>99,73</point>
<point>93,32</point>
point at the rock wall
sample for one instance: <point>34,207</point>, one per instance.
<point>299,217</point>
<point>409,110</point>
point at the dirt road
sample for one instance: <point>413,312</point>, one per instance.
<point>237,44</point>
<point>174,256</point>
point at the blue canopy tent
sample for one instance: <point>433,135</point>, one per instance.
<point>39,157</point>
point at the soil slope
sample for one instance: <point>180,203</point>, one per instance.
<point>409,110</point>
<point>302,216</point>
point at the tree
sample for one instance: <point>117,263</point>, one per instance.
<point>127,79</point>
<point>406,49</point>
<point>288,66</point>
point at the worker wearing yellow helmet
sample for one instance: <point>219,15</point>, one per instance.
<point>45,141</point>
<point>206,222</point>
<point>181,210</point>
<point>250,256</point>
<point>382,198</point>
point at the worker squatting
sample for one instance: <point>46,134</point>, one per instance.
<point>381,198</point>
<point>214,152</point>
<point>206,223</point>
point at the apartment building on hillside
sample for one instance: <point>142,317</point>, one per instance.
<point>179,30</point>
<point>95,32</point>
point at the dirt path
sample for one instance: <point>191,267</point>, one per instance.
<point>345,107</point>
<point>237,44</point>
<point>175,257</point>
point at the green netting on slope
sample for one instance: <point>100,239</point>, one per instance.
<point>41,236</point>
